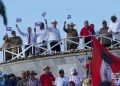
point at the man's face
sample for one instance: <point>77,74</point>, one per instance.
<point>29,30</point>
<point>13,34</point>
<point>113,19</point>
<point>71,26</point>
<point>47,70</point>
<point>54,25</point>
<point>61,74</point>
<point>104,24</point>
<point>86,24</point>
<point>92,26</point>
<point>24,75</point>
<point>89,61</point>
<point>32,75</point>
<point>27,74</point>
<point>12,78</point>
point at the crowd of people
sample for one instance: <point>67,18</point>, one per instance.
<point>28,78</point>
<point>52,34</point>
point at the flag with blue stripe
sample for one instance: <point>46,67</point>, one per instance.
<point>19,20</point>
<point>69,17</point>
<point>43,14</point>
<point>37,24</point>
<point>8,28</point>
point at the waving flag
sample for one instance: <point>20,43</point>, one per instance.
<point>8,28</point>
<point>18,20</point>
<point>103,63</point>
<point>69,17</point>
<point>43,14</point>
<point>37,24</point>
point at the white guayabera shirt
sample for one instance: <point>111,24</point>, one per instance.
<point>53,34</point>
<point>77,79</point>
<point>61,81</point>
<point>114,28</point>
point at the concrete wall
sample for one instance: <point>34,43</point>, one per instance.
<point>55,62</point>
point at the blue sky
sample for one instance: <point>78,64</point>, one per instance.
<point>30,11</point>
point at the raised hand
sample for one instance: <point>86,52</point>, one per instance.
<point>6,34</point>
<point>35,30</point>
<point>16,25</point>
<point>45,21</point>
<point>64,22</point>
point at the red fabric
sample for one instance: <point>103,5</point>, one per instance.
<point>46,79</point>
<point>87,31</point>
<point>97,60</point>
<point>87,66</point>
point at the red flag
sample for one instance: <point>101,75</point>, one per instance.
<point>100,53</point>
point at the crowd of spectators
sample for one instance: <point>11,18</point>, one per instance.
<point>28,78</point>
<point>52,34</point>
<point>47,78</point>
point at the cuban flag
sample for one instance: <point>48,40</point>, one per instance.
<point>69,17</point>
<point>18,20</point>
<point>103,65</point>
<point>43,14</point>
<point>37,24</point>
<point>8,28</point>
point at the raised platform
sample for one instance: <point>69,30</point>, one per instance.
<point>56,62</point>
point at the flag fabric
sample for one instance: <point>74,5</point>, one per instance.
<point>69,17</point>
<point>43,14</point>
<point>100,55</point>
<point>8,28</point>
<point>37,24</point>
<point>18,20</point>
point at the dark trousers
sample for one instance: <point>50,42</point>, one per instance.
<point>89,44</point>
<point>115,42</point>
<point>39,50</point>
<point>71,46</point>
<point>106,45</point>
<point>7,56</point>
<point>57,48</point>
<point>29,51</point>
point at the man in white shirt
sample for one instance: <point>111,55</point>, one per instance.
<point>105,71</point>
<point>61,80</point>
<point>75,77</point>
<point>42,38</point>
<point>29,40</point>
<point>114,28</point>
<point>54,36</point>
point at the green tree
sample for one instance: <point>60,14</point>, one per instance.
<point>3,12</point>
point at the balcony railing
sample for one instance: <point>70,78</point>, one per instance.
<point>81,45</point>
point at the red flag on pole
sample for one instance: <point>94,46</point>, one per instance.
<point>100,55</point>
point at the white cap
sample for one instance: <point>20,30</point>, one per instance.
<point>73,70</point>
<point>54,21</point>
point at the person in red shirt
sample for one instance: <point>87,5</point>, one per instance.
<point>47,79</point>
<point>88,64</point>
<point>86,31</point>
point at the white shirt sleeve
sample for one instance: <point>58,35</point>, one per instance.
<point>81,77</point>
<point>49,29</point>
<point>21,33</point>
<point>55,83</point>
